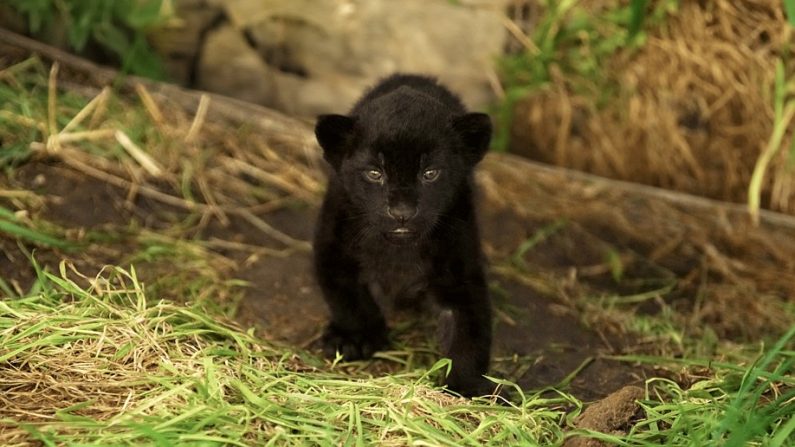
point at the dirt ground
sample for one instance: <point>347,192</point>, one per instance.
<point>537,342</point>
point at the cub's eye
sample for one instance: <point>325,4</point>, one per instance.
<point>374,175</point>
<point>430,175</point>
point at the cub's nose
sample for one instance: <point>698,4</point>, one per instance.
<point>402,212</point>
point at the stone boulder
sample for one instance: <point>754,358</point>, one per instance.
<point>307,57</point>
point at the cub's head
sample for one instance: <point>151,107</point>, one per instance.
<point>402,159</point>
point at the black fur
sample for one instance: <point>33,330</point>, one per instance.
<point>398,221</point>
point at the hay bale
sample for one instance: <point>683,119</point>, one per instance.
<point>692,112</point>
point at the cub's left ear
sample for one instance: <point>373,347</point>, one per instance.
<point>475,131</point>
<point>334,133</point>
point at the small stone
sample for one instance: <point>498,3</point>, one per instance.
<point>612,415</point>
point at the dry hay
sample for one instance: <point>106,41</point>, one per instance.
<point>693,111</point>
<point>191,164</point>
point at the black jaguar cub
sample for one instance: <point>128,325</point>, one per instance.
<point>398,221</point>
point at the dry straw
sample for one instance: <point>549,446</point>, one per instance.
<point>693,108</point>
<point>183,162</point>
<point>94,360</point>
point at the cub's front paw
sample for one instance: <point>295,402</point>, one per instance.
<point>353,345</point>
<point>470,385</point>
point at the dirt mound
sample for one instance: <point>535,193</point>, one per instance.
<point>613,414</point>
<point>691,110</point>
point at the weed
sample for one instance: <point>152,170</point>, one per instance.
<point>118,26</point>
<point>572,41</point>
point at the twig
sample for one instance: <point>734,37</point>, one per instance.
<point>260,224</point>
<point>23,120</point>
<point>517,33</point>
<point>85,111</point>
<point>267,177</point>
<point>270,206</point>
<point>99,111</point>
<point>214,242</point>
<point>52,104</point>
<point>272,232</point>
<point>18,194</point>
<point>149,104</point>
<point>211,202</point>
<point>198,120</point>
<point>88,135</point>
<point>146,162</point>
<point>70,158</point>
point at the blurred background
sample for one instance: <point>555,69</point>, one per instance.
<point>694,96</point>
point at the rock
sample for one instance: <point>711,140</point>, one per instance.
<point>230,66</point>
<point>612,415</point>
<point>320,54</point>
<point>180,40</point>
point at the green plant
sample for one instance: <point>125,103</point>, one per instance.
<point>789,6</point>
<point>576,43</point>
<point>24,230</point>
<point>132,370</point>
<point>784,113</point>
<point>118,26</point>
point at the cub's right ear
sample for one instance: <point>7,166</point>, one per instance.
<point>475,131</point>
<point>334,133</point>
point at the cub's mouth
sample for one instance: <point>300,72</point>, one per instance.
<point>400,235</point>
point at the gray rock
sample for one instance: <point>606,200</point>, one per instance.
<point>179,41</point>
<point>230,66</point>
<point>320,54</point>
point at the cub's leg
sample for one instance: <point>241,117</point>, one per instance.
<point>357,328</point>
<point>468,339</point>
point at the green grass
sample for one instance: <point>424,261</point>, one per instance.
<point>41,234</point>
<point>128,369</point>
<point>784,113</point>
<point>789,6</point>
<point>25,114</point>
<point>99,361</point>
<point>119,27</point>
<point>739,406</point>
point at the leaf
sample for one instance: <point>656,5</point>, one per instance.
<point>112,38</point>
<point>80,20</point>
<point>38,12</point>
<point>636,17</point>
<point>615,264</point>
<point>789,6</point>
<point>145,14</point>
<point>142,60</point>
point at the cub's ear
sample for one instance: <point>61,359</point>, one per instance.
<point>475,131</point>
<point>333,132</point>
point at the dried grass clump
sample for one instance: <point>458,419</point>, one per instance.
<point>76,362</point>
<point>692,111</point>
<point>95,361</point>
<point>149,146</point>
